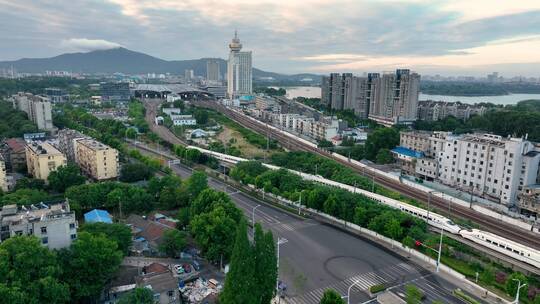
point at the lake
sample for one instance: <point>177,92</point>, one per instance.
<point>310,92</point>
<point>502,100</point>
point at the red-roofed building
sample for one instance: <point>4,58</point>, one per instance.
<point>13,150</point>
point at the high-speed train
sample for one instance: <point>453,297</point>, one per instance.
<point>497,243</point>
<point>505,246</point>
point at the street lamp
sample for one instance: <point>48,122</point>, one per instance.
<point>349,292</point>
<point>279,242</point>
<point>253,215</point>
<point>516,301</point>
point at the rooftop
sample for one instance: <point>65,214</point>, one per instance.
<point>43,148</point>
<point>407,152</point>
<point>93,144</point>
<point>16,144</point>
<point>97,215</point>
<point>34,212</point>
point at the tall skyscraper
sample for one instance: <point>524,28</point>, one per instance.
<point>212,70</point>
<point>239,75</point>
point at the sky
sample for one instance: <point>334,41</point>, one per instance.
<point>456,37</point>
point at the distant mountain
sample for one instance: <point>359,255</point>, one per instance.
<point>125,61</point>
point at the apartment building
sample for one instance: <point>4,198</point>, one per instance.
<point>38,109</point>
<point>3,176</point>
<point>490,166</point>
<point>96,160</point>
<point>54,225</point>
<point>66,142</point>
<point>391,98</point>
<point>42,159</point>
<point>429,110</point>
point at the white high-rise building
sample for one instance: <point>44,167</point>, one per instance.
<point>239,75</point>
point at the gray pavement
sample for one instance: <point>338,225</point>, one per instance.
<point>318,256</point>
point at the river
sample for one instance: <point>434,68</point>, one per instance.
<point>310,92</point>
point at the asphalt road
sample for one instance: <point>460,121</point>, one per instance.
<point>317,257</point>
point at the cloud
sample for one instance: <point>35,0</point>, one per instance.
<point>285,36</point>
<point>84,44</point>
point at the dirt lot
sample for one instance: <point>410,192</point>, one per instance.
<point>248,150</point>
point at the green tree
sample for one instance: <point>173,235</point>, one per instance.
<point>30,183</point>
<point>131,133</point>
<point>413,294</point>
<point>196,183</point>
<point>133,172</point>
<point>382,138</point>
<point>139,295</point>
<point>30,273</point>
<point>120,233</point>
<point>323,143</point>
<point>239,284</point>
<point>173,242</point>
<point>394,229</point>
<point>331,296</point>
<point>64,177</point>
<point>183,217</point>
<point>512,284</point>
<point>384,156</point>
<point>214,232</point>
<point>90,262</point>
<point>264,255</point>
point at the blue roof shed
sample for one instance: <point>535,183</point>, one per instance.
<point>97,215</point>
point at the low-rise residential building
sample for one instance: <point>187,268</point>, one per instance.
<point>529,200</point>
<point>183,120</point>
<point>42,159</point>
<point>171,111</point>
<point>14,152</point>
<point>3,176</point>
<point>430,110</point>
<point>54,225</point>
<point>161,281</point>
<point>95,159</point>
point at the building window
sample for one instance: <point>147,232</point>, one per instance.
<point>73,236</point>
<point>45,240</point>
<point>43,230</point>
<point>72,226</point>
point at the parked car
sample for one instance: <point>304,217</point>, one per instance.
<point>179,269</point>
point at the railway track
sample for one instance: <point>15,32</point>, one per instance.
<point>487,223</point>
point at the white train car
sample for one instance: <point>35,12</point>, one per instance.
<point>507,247</point>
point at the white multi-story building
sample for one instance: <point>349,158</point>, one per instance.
<point>487,165</point>
<point>54,225</point>
<point>37,107</point>
<point>239,73</point>
<point>183,120</point>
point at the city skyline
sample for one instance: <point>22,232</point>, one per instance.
<point>443,37</point>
